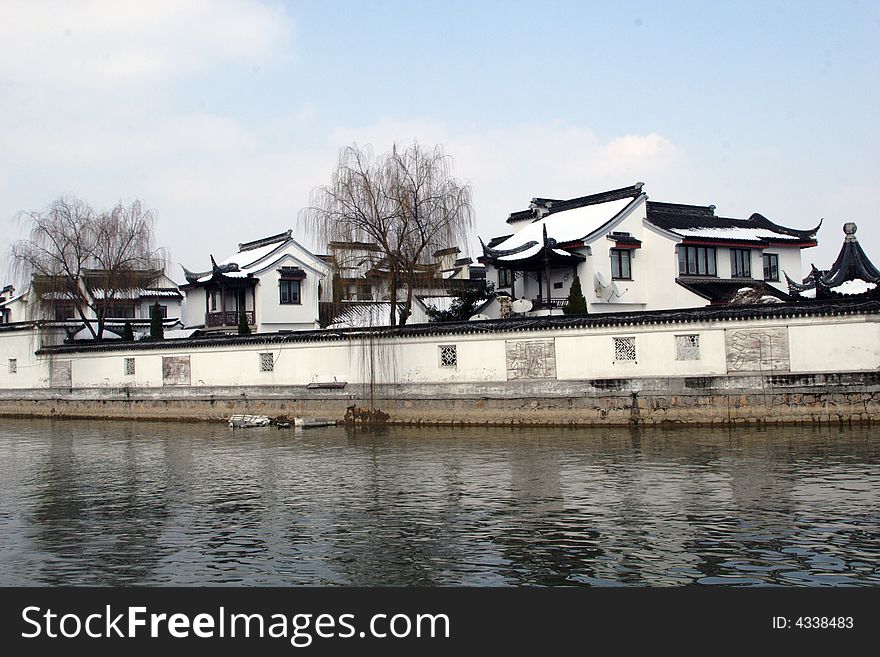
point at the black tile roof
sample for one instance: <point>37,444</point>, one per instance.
<point>560,205</point>
<point>722,290</point>
<point>672,216</point>
<point>703,314</point>
<point>624,239</point>
<point>852,263</point>
<point>495,241</point>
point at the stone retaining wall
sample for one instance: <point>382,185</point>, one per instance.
<point>816,398</point>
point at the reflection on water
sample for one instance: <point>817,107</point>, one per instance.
<point>164,503</point>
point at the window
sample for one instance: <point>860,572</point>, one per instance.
<point>289,291</point>
<point>696,261</point>
<point>128,366</point>
<point>504,276</point>
<point>771,267</point>
<point>620,264</point>
<point>163,311</point>
<point>448,355</point>
<point>214,295</point>
<point>64,311</point>
<point>687,347</point>
<point>120,311</point>
<point>557,286</point>
<point>13,365</point>
<point>624,349</point>
<point>267,362</point>
<point>740,263</point>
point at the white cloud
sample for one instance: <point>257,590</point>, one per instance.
<point>511,164</point>
<point>111,42</point>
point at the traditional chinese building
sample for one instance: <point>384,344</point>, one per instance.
<point>634,254</point>
<point>852,276</point>
<point>274,281</point>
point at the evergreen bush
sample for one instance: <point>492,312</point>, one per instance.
<point>157,330</point>
<point>576,304</point>
<point>243,327</point>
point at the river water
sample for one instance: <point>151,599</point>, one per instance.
<point>116,503</point>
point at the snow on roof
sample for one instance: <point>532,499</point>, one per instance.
<point>522,255</point>
<point>10,301</point>
<point>743,234</point>
<point>855,286</point>
<point>85,334</point>
<point>160,293</point>
<point>565,226</point>
<point>363,314</point>
<point>440,303</point>
<point>245,259</point>
<point>250,261</point>
<point>179,333</point>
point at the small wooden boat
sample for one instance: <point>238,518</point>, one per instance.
<point>296,422</point>
<point>248,421</point>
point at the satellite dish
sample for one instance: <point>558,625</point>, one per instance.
<point>478,317</point>
<point>521,306</point>
<point>615,291</point>
<point>601,283</point>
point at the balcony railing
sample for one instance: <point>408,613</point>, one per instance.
<point>228,318</point>
<point>543,304</point>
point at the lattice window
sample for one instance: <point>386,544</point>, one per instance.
<point>625,349</point>
<point>267,362</point>
<point>687,347</point>
<point>448,355</point>
<point>129,366</point>
<point>13,365</point>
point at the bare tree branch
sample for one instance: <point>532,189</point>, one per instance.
<point>405,201</point>
<point>80,258</point>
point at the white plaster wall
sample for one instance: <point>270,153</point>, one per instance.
<point>843,344</point>
<point>790,262</point>
<point>592,356</point>
<point>31,371</point>
<point>659,266</point>
<point>274,316</point>
<point>633,292</point>
<point>194,307</point>
<point>835,346</point>
<point>172,304</point>
<point>97,371</point>
<point>478,360</point>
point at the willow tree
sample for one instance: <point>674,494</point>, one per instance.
<point>82,260</point>
<point>406,201</point>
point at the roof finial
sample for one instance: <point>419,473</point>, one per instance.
<point>849,229</point>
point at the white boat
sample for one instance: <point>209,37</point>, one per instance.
<point>248,421</point>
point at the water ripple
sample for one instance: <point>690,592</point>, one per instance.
<point>163,503</point>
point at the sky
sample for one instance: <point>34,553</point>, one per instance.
<point>222,116</point>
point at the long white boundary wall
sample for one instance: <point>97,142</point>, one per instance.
<point>828,344</point>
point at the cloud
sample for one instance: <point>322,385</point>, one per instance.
<point>90,94</point>
<point>509,165</point>
<point>110,42</point>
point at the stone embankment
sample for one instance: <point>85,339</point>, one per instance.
<point>845,398</point>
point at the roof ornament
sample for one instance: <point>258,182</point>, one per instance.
<point>223,269</point>
<point>191,276</point>
<point>549,242</point>
<point>852,265</point>
<point>500,253</point>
